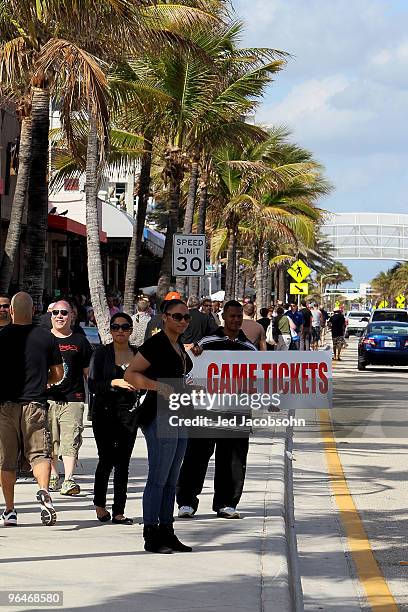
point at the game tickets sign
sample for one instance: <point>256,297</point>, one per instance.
<point>299,379</point>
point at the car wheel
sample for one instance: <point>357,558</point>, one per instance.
<point>361,365</point>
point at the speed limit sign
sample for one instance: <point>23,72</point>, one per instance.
<point>189,252</point>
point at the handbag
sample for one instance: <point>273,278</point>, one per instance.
<point>129,415</point>
<point>270,335</point>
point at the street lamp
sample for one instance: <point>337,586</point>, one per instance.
<point>321,281</point>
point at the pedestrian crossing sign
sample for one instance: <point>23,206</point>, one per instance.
<point>400,301</point>
<point>383,304</point>
<point>299,271</point>
<point>299,289</point>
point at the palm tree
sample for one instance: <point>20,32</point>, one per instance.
<point>264,195</point>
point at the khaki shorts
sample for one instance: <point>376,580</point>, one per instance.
<point>24,435</point>
<point>66,424</point>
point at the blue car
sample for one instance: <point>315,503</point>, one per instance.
<point>383,343</point>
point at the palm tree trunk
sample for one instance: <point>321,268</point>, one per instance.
<point>259,281</point>
<point>269,286</point>
<point>238,279</point>
<point>95,272</point>
<point>265,273</point>
<point>17,211</point>
<point>189,214</point>
<point>175,173</point>
<point>201,216</point>
<point>282,283</point>
<point>37,203</point>
<point>138,226</point>
<point>276,283</point>
<point>230,269</point>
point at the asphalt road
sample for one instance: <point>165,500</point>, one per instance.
<point>370,424</point>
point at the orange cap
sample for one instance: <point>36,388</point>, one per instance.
<point>172,295</point>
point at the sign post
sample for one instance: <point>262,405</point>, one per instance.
<point>189,252</point>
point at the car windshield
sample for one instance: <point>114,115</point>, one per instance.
<point>358,315</point>
<point>390,316</point>
<point>400,330</point>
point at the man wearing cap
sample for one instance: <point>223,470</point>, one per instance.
<point>337,324</point>
<point>156,323</point>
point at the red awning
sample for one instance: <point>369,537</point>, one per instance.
<point>63,224</point>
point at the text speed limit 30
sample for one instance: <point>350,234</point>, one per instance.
<point>189,252</point>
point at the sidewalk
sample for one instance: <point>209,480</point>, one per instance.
<point>236,564</point>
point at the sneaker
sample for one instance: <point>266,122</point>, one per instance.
<point>70,487</point>
<point>228,512</point>
<point>54,483</point>
<point>186,512</point>
<point>48,514</point>
<point>9,518</point>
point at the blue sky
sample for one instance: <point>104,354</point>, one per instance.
<point>344,94</point>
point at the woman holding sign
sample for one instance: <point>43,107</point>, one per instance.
<point>161,357</point>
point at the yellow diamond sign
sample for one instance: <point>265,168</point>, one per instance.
<point>299,289</point>
<point>299,271</point>
<point>383,304</point>
<point>400,301</point>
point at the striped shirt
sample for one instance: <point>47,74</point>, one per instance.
<point>220,342</point>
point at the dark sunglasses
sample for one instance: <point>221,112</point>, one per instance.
<point>177,316</point>
<point>64,312</point>
<point>5,306</point>
<point>118,326</point>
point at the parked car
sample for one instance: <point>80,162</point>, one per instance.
<point>383,343</point>
<point>356,321</point>
<point>389,314</point>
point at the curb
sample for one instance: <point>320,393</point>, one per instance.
<point>275,574</point>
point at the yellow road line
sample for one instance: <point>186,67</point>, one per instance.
<point>376,588</point>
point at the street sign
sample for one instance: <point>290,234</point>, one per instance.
<point>400,301</point>
<point>299,271</point>
<point>189,255</point>
<point>337,304</point>
<point>299,288</point>
<point>383,304</point>
<point>210,269</point>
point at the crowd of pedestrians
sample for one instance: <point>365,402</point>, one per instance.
<point>43,392</point>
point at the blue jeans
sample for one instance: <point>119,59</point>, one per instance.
<point>165,456</point>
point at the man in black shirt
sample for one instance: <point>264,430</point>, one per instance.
<point>306,334</point>
<point>5,318</point>
<point>66,411</point>
<point>337,324</point>
<point>230,453</point>
<point>201,324</point>
<point>31,361</point>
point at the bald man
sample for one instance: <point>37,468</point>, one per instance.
<point>31,361</point>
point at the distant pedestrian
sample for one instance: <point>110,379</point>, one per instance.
<point>265,319</point>
<point>298,319</point>
<point>306,334</point>
<point>216,310</point>
<point>254,331</point>
<point>156,322</point>
<point>201,323</point>
<point>140,322</point>
<point>337,325</point>
<point>31,361</point>
<point>162,357</point>
<point>5,317</point>
<point>113,419</point>
<point>282,326</point>
<point>317,324</point>
<point>67,397</point>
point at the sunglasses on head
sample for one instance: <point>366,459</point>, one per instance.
<point>118,326</point>
<point>64,312</point>
<point>5,306</point>
<point>177,316</point>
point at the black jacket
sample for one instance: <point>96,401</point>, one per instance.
<point>200,325</point>
<point>102,371</point>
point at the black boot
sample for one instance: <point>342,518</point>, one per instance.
<point>169,538</point>
<point>154,540</point>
